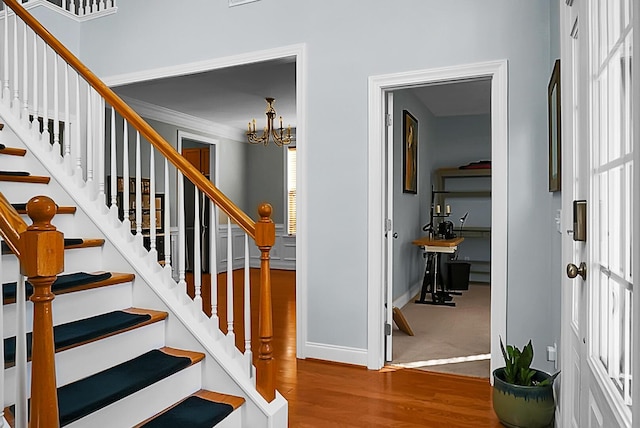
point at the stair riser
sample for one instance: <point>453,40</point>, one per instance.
<point>75,306</point>
<point>75,260</point>
<point>145,403</point>
<point>22,192</point>
<point>80,362</point>
<point>234,420</point>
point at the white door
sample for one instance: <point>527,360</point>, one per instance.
<point>598,168</point>
<point>389,233</point>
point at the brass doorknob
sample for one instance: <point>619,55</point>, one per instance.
<point>573,270</point>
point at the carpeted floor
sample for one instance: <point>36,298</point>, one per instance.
<point>442,332</point>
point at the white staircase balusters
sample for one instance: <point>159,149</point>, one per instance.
<point>231,336</point>
<point>138,194</point>
<point>89,138</point>
<point>182,254</point>
<point>213,261</point>
<point>34,124</point>
<point>56,108</point>
<point>197,250</point>
<point>6,92</point>
<point>67,122</point>
<point>113,184</point>
<point>125,177</point>
<point>45,99</point>
<point>78,131</point>
<point>25,78</point>
<point>152,205</point>
<point>22,391</point>
<point>101,136</point>
<point>167,219</point>
<point>248,354</point>
<point>15,104</point>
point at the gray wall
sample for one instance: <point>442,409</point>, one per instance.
<point>265,180</point>
<point>410,211</point>
<point>367,38</point>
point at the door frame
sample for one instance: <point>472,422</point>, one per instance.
<point>378,86</point>
<point>213,142</point>
<point>297,51</point>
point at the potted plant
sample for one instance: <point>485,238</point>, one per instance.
<point>522,396</point>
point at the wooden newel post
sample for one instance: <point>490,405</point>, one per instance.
<point>265,239</point>
<point>43,250</point>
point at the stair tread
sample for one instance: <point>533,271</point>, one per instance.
<point>80,332</point>
<point>85,396</point>
<point>24,179</point>
<point>12,151</point>
<point>22,209</point>
<point>203,409</point>
<point>69,244</point>
<point>58,289</point>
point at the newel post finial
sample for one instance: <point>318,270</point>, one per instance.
<point>43,250</point>
<point>265,239</point>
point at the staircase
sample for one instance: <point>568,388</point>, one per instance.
<point>102,340</point>
<point>132,347</point>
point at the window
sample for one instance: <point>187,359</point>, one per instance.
<point>612,192</point>
<point>291,191</point>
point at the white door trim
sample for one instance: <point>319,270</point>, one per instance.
<point>378,85</point>
<point>298,51</point>
<point>636,204</point>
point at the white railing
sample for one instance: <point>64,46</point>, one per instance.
<point>123,173</point>
<point>76,8</point>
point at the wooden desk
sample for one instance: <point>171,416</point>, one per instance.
<point>433,248</point>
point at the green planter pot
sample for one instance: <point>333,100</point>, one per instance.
<point>523,406</point>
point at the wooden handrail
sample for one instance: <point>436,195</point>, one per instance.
<point>11,225</point>
<point>133,118</point>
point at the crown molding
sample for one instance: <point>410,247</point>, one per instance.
<point>203,66</point>
<point>183,120</point>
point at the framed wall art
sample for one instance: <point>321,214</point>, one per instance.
<point>410,153</point>
<point>555,131</point>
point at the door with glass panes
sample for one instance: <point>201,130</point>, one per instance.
<point>598,170</point>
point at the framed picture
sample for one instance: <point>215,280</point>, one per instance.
<point>555,130</point>
<point>409,153</point>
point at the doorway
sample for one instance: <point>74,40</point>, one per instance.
<point>380,225</point>
<point>452,122</point>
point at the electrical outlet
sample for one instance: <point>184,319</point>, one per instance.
<point>552,354</point>
<point>558,221</point>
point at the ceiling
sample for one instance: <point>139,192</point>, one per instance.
<point>233,96</point>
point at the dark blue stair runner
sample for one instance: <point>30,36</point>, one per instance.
<point>67,241</point>
<point>87,395</point>
<point>61,283</point>
<point>194,412</point>
<point>80,331</point>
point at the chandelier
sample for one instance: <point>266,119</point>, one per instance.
<point>280,138</point>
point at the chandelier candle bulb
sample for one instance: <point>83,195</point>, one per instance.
<point>447,209</point>
<point>437,209</point>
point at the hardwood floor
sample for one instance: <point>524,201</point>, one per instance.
<point>322,394</point>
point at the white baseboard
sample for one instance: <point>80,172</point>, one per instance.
<point>339,354</point>
<point>406,297</point>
